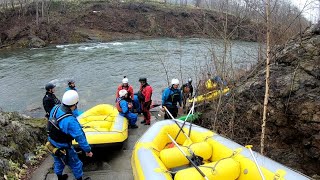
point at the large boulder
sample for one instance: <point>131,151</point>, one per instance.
<point>36,42</point>
<point>293,118</point>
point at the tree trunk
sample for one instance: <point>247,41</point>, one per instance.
<point>37,12</point>
<point>198,2</point>
<point>42,9</point>
<point>12,4</point>
<point>266,96</point>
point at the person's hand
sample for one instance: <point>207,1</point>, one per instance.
<point>89,154</point>
<point>129,105</point>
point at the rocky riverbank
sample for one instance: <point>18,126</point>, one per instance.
<point>293,121</point>
<point>21,139</point>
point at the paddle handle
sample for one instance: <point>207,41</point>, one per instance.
<point>175,122</point>
<point>193,164</point>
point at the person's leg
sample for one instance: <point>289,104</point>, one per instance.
<point>184,100</point>
<point>58,166</point>
<point>143,112</point>
<point>174,111</point>
<point>75,163</point>
<point>132,119</point>
<point>148,117</point>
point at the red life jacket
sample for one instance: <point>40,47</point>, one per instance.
<point>118,105</point>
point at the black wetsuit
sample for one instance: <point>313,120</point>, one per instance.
<point>49,101</point>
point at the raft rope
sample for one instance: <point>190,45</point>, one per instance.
<point>214,167</point>
<point>98,120</point>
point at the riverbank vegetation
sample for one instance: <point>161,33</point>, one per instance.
<point>21,142</point>
<point>39,23</point>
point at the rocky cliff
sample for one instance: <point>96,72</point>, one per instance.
<point>293,121</point>
<point>19,138</point>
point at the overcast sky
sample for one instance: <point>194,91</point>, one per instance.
<point>311,11</point>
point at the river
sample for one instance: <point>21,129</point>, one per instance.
<point>98,68</point>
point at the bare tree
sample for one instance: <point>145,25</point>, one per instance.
<point>42,9</point>
<point>266,96</point>
<point>37,12</point>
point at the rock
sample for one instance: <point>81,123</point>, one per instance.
<point>36,42</point>
<point>18,139</point>
<point>29,157</point>
<point>5,151</point>
<point>4,164</point>
<point>315,29</point>
<point>3,121</point>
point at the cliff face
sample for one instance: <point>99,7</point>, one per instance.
<point>293,121</point>
<point>19,137</point>
<point>103,21</point>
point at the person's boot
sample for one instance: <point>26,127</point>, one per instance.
<point>143,122</point>
<point>63,177</point>
<point>147,123</point>
<point>86,178</point>
<point>134,126</point>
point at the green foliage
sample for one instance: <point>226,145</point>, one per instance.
<point>17,171</point>
<point>37,123</point>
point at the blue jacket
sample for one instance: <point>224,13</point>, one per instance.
<point>171,96</point>
<point>71,126</point>
<point>68,88</point>
<point>124,106</point>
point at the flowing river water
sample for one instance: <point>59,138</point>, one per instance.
<point>98,68</point>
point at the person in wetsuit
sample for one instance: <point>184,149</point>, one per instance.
<point>171,97</point>
<point>49,100</point>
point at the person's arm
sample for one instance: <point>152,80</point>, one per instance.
<point>191,90</point>
<point>164,96</point>
<point>180,99</point>
<point>48,104</point>
<point>75,130</point>
<point>124,106</point>
<point>131,92</point>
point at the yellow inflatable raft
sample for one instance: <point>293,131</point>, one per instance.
<point>154,158</point>
<point>210,95</point>
<point>103,125</point>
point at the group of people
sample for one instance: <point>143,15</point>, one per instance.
<point>127,101</point>
<point>63,127</point>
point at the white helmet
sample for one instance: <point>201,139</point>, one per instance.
<point>70,98</point>
<point>122,92</point>
<point>175,81</point>
<point>125,80</point>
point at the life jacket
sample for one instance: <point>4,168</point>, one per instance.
<point>54,131</point>
<point>141,97</point>
<point>118,105</point>
<point>127,88</point>
<point>174,97</point>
